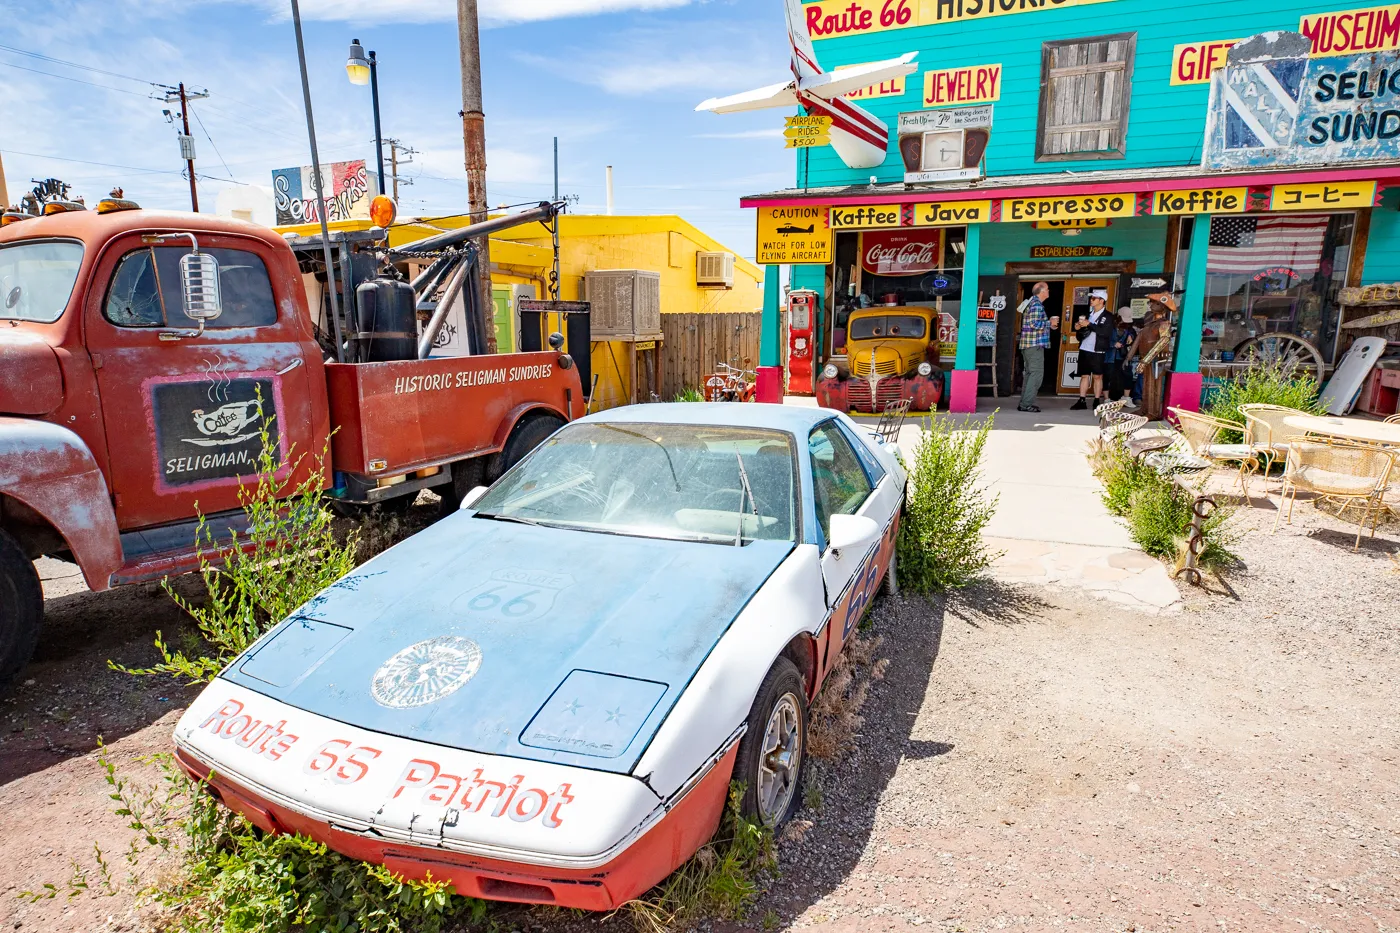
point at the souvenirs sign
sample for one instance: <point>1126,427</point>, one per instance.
<point>794,235</point>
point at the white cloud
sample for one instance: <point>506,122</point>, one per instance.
<point>492,12</point>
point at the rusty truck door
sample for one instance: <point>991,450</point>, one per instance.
<point>185,412</point>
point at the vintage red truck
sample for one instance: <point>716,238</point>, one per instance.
<point>129,406</point>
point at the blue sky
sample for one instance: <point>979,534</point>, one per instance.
<point>615,80</point>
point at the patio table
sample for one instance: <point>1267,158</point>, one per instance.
<point>1352,429</point>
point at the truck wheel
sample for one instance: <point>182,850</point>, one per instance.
<point>774,747</point>
<point>21,608</point>
<point>528,434</point>
<point>466,476</point>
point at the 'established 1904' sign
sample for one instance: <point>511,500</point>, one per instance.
<point>1071,252</point>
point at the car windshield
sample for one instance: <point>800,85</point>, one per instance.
<point>889,325</point>
<point>36,279</point>
<point>682,482</point>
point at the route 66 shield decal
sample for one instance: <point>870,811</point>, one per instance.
<point>513,596</point>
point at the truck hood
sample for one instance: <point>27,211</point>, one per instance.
<point>540,643</point>
<point>31,380</point>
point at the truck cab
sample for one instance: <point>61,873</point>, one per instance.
<point>892,355</point>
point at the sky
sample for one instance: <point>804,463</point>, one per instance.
<point>616,80</point>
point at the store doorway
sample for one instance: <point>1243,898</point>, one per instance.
<point>1069,298</point>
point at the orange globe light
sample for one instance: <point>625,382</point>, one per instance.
<point>382,210</point>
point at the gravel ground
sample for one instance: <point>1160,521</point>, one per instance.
<point>1035,760</point>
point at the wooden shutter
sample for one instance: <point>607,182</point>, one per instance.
<point>1085,88</point>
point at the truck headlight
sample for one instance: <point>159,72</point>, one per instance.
<point>830,371</point>
<point>925,368</point>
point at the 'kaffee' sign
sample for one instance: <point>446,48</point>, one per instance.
<point>900,253</point>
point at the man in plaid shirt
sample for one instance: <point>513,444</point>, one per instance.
<point>1034,342</point>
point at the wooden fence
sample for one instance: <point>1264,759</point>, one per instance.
<point>695,342</point>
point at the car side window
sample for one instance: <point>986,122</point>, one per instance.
<point>839,482</point>
<point>146,292</point>
<point>867,457</point>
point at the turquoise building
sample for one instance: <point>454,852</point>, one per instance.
<point>1237,153</point>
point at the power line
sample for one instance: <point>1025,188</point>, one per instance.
<point>211,142</point>
<point>130,168</point>
<point>59,61</point>
<point>105,87</point>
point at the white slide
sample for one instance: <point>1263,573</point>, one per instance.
<point>1343,389</point>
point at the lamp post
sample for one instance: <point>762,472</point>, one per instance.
<point>362,71</point>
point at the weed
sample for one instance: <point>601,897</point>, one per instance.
<point>940,537</point>
<point>1263,385</point>
<point>771,920</point>
<point>834,720</point>
<point>689,394</point>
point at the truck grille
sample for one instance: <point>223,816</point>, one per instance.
<point>884,365</point>
<point>886,391</point>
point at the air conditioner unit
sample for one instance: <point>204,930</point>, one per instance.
<point>624,302</point>
<point>714,270</point>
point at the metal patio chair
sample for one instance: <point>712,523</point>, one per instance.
<point>892,420</point>
<point>1354,474</point>
<point>1266,432</point>
<point>1202,433</point>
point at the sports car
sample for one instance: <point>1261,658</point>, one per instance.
<point>545,697</point>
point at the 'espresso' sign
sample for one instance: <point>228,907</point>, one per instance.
<point>1069,208</point>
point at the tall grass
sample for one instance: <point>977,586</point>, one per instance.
<point>1264,385</point>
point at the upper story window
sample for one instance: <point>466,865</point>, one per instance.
<point>146,290</point>
<point>1085,86</point>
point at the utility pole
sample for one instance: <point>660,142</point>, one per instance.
<point>186,140</point>
<point>4,192</point>
<point>474,141</point>
<point>395,147</point>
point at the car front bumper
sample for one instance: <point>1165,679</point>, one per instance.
<point>854,393</point>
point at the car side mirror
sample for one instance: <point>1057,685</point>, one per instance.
<point>471,498</point>
<point>199,283</point>
<point>851,533</point>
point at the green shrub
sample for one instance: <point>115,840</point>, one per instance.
<point>940,543</point>
<point>1263,385</point>
<point>690,394</point>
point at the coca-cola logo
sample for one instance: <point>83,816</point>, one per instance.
<point>900,255</point>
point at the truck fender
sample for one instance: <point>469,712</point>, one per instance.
<point>519,412</point>
<point>50,473</point>
<point>784,618</point>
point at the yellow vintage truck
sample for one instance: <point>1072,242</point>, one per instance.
<point>892,355</point>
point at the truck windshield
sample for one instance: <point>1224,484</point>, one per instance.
<point>36,279</point>
<point>890,325</point>
<point>683,482</point>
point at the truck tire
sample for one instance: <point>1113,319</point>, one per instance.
<point>21,608</point>
<point>774,747</point>
<point>466,476</point>
<point>528,434</point>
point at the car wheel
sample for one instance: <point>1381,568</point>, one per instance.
<point>21,608</point>
<point>774,747</point>
<point>526,436</point>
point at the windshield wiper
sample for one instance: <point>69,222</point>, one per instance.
<point>674,478</point>
<point>746,491</point>
<point>511,518</point>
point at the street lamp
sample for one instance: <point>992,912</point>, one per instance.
<point>362,71</point>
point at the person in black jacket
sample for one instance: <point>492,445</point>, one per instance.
<point>1095,334</point>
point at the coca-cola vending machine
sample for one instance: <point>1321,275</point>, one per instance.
<point>802,339</point>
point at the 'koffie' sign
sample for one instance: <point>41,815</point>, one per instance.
<point>211,430</point>
<point>1273,105</point>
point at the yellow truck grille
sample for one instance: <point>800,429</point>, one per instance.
<point>886,363</point>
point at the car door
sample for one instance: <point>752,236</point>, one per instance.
<point>184,411</point>
<point>847,479</point>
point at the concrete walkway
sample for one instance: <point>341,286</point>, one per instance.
<point>1050,522</point>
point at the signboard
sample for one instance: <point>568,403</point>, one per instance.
<point>1200,201</point>
<point>1069,208</point>
<point>834,19</point>
<point>972,84</point>
<point>944,145</point>
<point>986,334</point>
<point>1374,29</point>
<point>345,185</point>
<point>1195,62</point>
<point>794,235</point>
<point>900,252</point>
<point>1071,252</point>
<point>947,337</point>
<point>952,213</point>
<point>805,132</point>
<point>866,217</point>
<point>1331,196</point>
<point>894,87</point>
<point>208,430</point>
<point>1079,223</point>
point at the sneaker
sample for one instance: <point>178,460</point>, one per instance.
<point>1081,405</point>
<point>1030,408</point>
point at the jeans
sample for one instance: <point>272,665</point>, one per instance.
<point>1033,359</point>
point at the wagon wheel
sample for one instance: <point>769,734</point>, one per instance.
<point>1288,352</point>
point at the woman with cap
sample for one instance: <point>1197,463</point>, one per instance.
<point>1095,333</point>
<point>1150,347</point>
<point>1115,361</point>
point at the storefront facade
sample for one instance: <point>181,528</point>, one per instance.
<point>1128,145</point>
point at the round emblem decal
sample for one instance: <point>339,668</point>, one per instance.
<point>426,672</point>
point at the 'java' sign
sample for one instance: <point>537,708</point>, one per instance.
<point>901,253</point>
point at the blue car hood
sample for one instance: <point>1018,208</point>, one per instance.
<point>540,643</point>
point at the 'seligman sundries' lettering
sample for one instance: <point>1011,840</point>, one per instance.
<point>467,378</point>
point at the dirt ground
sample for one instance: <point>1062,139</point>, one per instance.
<point>1032,760</point>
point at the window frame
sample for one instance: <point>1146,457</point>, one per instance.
<point>166,324</point>
<point>1046,77</point>
<point>835,425</point>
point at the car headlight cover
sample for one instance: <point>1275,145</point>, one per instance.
<point>925,368</point>
<point>830,372</point>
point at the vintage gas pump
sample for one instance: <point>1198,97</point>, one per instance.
<point>802,340</point>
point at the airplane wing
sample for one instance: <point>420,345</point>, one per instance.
<point>774,95</point>
<point>843,81</point>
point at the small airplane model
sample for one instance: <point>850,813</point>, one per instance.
<point>859,137</point>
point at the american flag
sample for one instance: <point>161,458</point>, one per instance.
<point>1249,244</point>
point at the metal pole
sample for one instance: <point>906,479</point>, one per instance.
<point>474,144</point>
<point>189,163</point>
<point>316,178</point>
<point>610,191</point>
<point>5,194</point>
<point>394,163</point>
<point>556,171</point>
<point>374,96</point>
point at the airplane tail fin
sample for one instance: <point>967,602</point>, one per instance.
<point>804,57</point>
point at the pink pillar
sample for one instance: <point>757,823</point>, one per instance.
<point>769,385</point>
<point>962,396</point>
<point>1184,391</point>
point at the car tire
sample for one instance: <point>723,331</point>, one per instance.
<point>21,608</point>
<point>773,751</point>
<point>466,476</point>
<point>528,434</point>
